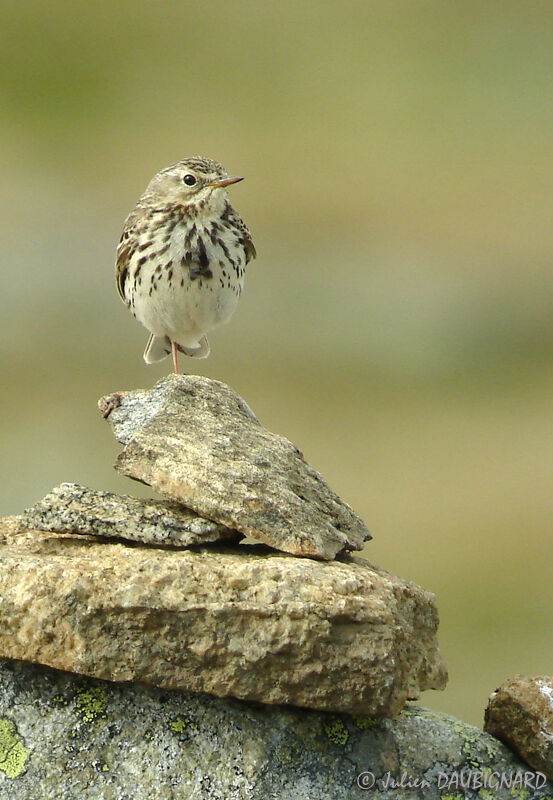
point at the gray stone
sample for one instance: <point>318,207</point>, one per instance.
<point>242,621</point>
<point>71,508</point>
<point>65,737</point>
<point>196,442</point>
<point>520,713</point>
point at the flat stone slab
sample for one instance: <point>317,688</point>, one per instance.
<point>65,737</point>
<point>70,508</point>
<point>520,713</point>
<point>239,621</point>
<point>196,442</point>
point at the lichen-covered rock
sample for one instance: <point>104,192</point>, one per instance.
<point>195,441</point>
<point>242,621</point>
<point>71,508</point>
<point>520,713</point>
<point>65,737</point>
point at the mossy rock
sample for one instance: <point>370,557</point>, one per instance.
<point>62,736</point>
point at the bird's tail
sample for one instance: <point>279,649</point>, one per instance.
<point>159,347</point>
<point>201,351</point>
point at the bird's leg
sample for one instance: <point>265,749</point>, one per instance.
<point>175,357</point>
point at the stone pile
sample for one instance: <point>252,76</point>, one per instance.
<point>164,592</point>
<point>145,619</point>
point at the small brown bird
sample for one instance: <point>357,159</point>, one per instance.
<point>182,257</point>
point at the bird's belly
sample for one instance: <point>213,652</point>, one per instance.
<point>169,302</point>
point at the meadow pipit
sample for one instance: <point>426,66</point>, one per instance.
<point>182,256</point>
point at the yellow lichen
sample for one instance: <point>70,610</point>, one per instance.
<point>13,754</point>
<point>90,702</point>
<point>336,731</point>
<point>520,793</point>
<point>365,722</point>
<point>179,724</point>
<point>472,737</point>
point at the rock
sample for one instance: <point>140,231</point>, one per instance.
<point>242,621</point>
<point>67,737</point>
<point>196,442</point>
<point>520,713</point>
<point>71,508</point>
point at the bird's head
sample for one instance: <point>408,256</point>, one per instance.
<point>193,181</point>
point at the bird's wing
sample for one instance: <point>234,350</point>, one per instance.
<point>246,237</point>
<point>125,250</point>
<point>249,246</point>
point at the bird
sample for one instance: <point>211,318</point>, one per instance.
<point>181,258</point>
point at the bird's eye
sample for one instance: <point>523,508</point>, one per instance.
<point>189,180</point>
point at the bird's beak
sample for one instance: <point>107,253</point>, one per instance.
<point>221,182</point>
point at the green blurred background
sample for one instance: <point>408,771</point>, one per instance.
<point>397,324</point>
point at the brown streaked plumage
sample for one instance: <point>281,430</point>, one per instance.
<point>182,256</point>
